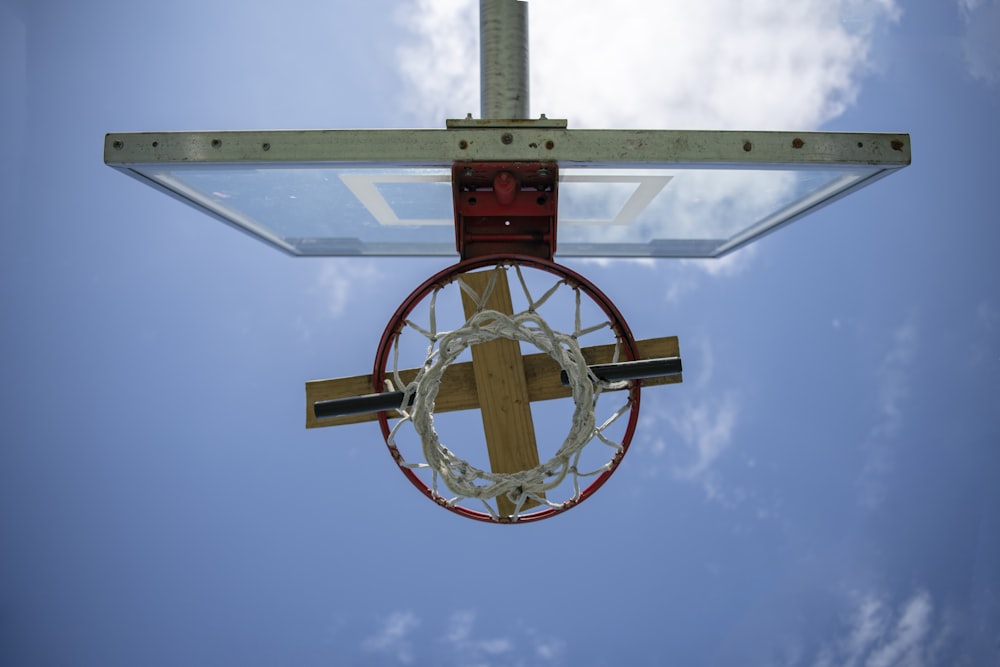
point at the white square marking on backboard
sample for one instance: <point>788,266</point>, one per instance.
<point>364,186</point>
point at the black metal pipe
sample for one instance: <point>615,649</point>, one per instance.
<point>392,400</point>
<point>356,405</point>
<point>633,370</point>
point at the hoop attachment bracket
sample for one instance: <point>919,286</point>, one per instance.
<point>506,208</point>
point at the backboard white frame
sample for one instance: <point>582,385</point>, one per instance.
<point>873,155</point>
<point>364,186</point>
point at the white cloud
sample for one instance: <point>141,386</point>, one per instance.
<point>550,650</point>
<point>894,378</point>
<point>877,635</point>
<point>701,432</point>
<point>893,386</point>
<point>984,350</point>
<point>731,265</point>
<point>706,430</point>
<point>623,263</point>
<point>705,366</point>
<point>393,637</point>
<point>686,281</point>
<point>980,45</point>
<point>905,646</point>
<point>988,316</point>
<point>440,66</point>
<point>670,63</point>
<point>341,281</point>
<point>870,622</point>
<point>679,278</point>
<point>465,646</point>
<point>468,649</point>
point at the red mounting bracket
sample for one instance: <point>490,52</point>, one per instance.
<point>504,208</point>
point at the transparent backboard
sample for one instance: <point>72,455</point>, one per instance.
<point>357,197</point>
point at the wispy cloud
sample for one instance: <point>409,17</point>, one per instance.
<point>681,278</point>
<point>906,644</point>
<point>521,645</point>
<point>893,389</point>
<point>439,65</point>
<point>878,635</point>
<point>342,281</point>
<point>688,440</point>
<point>550,650</point>
<point>988,316</point>
<point>980,45</point>
<point>470,650</point>
<point>396,641</point>
<point>689,272</point>
<point>627,262</point>
<point>393,637</point>
<point>730,265</point>
<point>706,430</point>
<point>894,378</point>
<point>984,351</point>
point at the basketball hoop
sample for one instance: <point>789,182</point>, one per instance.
<point>453,482</point>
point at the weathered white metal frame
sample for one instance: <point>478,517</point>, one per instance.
<point>520,141</point>
<point>878,154</point>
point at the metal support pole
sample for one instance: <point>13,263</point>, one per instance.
<point>503,59</point>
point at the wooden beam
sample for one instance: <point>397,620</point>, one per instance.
<point>501,386</point>
<point>458,384</point>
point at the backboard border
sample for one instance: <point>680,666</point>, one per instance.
<point>880,154</point>
<point>724,149</point>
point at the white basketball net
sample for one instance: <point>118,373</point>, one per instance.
<point>465,480</point>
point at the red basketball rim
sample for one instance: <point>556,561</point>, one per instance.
<point>447,276</point>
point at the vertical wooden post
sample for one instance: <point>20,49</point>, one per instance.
<point>502,388</point>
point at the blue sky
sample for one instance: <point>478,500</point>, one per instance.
<point>819,491</point>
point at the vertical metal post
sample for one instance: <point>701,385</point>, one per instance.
<point>503,59</point>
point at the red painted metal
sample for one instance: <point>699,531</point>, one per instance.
<point>506,187</point>
<point>505,208</point>
<point>397,323</point>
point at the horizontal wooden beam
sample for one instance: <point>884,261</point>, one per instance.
<point>458,384</point>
